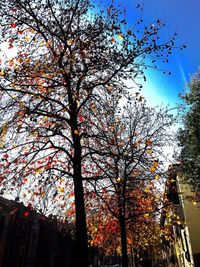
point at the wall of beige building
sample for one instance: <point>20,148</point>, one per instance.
<point>192,215</point>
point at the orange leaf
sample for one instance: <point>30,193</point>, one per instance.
<point>76,132</point>
<point>148,142</point>
<point>155,163</point>
<point>153,169</point>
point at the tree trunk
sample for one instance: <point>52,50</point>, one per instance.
<point>136,258</point>
<point>123,239</point>
<point>81,256</point>
<point>132,260</point>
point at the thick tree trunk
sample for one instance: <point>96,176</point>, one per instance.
<point>123,240</point>
<point>81,256</point>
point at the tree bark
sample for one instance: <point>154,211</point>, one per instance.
<point>81,256</point>
<point>81,250</point>
<point>136,258</point>
<point>123,239</point>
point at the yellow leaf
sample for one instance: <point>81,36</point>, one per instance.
<point>45,118</point>
<point>119,180</point>
<point>120,36</point>
<point>2,73</point>
<point>38,171</point>
<point>157,176</point>
<point>61,189</point>
<point>78,102</point>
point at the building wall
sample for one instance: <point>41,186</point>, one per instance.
<point>176,244</point>
<point>192,218</point>
<point>28,239</point>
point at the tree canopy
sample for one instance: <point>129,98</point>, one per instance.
<point>126,153</point>
<point>68,54</point>
<point>189,135</point>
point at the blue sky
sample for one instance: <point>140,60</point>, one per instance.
<point>183,17</point>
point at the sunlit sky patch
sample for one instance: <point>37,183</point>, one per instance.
<point>181,16</point>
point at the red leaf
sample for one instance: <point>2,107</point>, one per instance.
<point>26,213</point>
<point>13,25</point>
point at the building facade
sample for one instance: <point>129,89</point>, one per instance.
<point>180,223</point>
<point>28,239</point>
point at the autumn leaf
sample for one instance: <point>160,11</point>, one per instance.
<point>81,118</point>
<point>62,189</point>
<point>157,176</point>
<point>148,142</point>
<point>2,73</point>
<point>13,25</point>
<point>153,169</point>
<point>45,118</point>
<point>76,132</point>
<point>119,180</point>
<point>146,190</point>
<point>120,36</point>
<point>5,156</point>
<point>48,166</point>
<point>93,105</point>
<point>155,163</point>
<point>26,214</point>
<point>70,41</point>
<point>27,38</point>
<point>71,195</point>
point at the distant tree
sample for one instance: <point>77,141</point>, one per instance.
<point>142,228</point>
<point>189,135</point>
<point>127,143</point>
<point>66,52</point>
